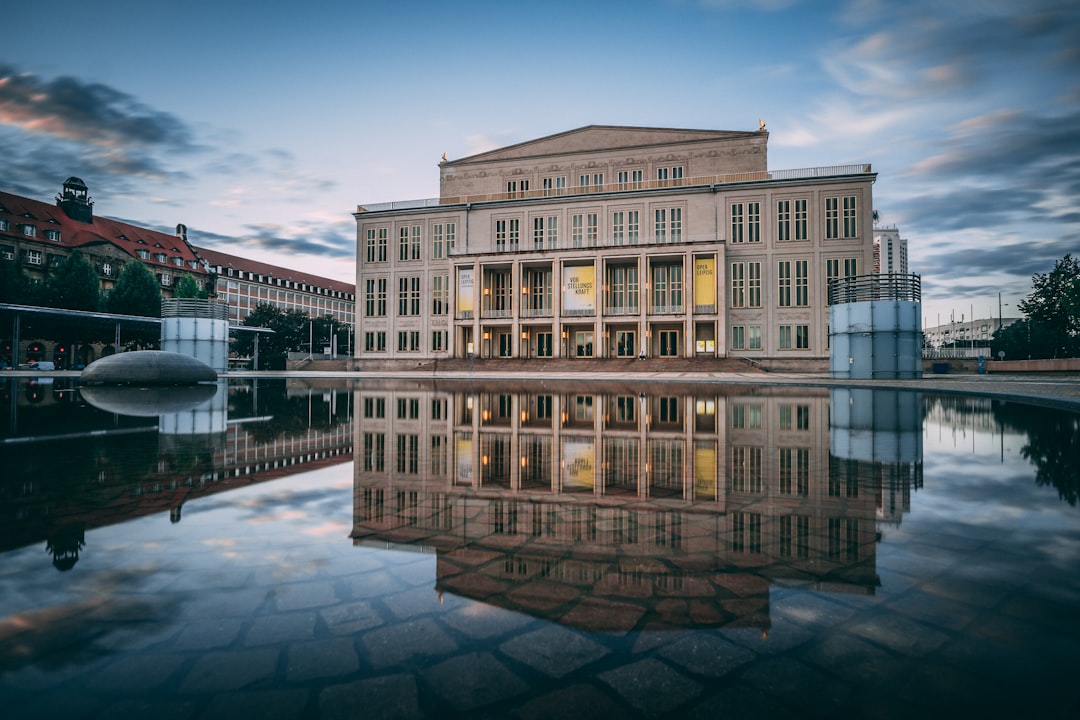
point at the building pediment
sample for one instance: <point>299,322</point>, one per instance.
<point>599,138</point>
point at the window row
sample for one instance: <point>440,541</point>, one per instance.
<point>443,236</point>
<point>408,296</point>
<point>407,341</point>
<point>749,337</point>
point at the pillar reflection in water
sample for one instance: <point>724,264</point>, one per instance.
<point>609,508</point>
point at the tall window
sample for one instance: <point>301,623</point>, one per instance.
<point>836,268</point>
<point>676,224</point>
<point>753,222</point>
<point>622,282</point>
<point>738,285</point>
<point>442,239</point>
<point>783,283</point>
<point>545,232</point>
<point>370,253</point>
<point>753,336</point>
<point>802,281</point>
<point>507,235</point>
<point>369,297</point>
<point>618,223</point>
<point>440,294</point>
<point>832,218</point>
<point>785,337</point>
<point>850,227</point>
<point>738,337</point>
<point>409,243</point>
<point>500,291</point>
<point>661,225</point>
<point>538,284</point>
<point>380,298</point>
<point>438,341</point>
<point>408,296</point>
<point>667,283</point>
<point>783,220</point>
<point>802,337</point>
<point>584,229</point>
<point>800,219</point>
<point>737,224</point>
<point>753,287</point>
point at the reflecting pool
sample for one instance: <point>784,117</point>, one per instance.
<point>403,548</point>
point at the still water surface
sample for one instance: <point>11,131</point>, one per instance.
<point>413,549</point>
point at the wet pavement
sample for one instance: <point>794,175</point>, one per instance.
<point>758,564</point>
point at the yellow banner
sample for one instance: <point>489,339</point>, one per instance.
<point>465,290</point>
<point>704,281</point>
<point>464,461</point>
<point>705,473</point>
<point>579,293</point>
<point>579,471</point>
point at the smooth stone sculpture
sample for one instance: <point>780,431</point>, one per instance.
<point>147,367</point>
<point>147,401</point>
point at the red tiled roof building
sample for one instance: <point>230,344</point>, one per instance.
<point>39,236</point>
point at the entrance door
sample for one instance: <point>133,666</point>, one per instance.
<point>505,345</point>
<point>583,343</point>
<point>625,343</point>
<point>669,343</point>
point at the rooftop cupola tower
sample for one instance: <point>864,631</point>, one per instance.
<point>75,200</point>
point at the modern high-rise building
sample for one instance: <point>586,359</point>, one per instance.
<point>607,242</point>
<point>890,251</point>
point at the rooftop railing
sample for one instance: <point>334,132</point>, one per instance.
<point>863,288</point>
<point>702,181</point>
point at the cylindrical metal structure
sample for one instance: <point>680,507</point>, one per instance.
<point>875,327</point>
<point>197,328</point>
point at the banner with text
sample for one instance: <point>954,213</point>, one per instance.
<point>579,292</point>
<point>579,471</point>
<point>704,281</point>
<point>465,290</point>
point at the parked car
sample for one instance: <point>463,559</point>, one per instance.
<point>38,365</point>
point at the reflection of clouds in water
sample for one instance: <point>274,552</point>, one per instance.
<point>330,528</point>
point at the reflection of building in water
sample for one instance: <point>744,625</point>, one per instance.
<point>95,478</point>
<point>607,508</point>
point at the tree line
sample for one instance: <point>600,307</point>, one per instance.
<point>1052,326</point>
<point>74,285</point>
<point>293,331</point>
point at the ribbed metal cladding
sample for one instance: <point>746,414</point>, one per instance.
<point>191,308</point>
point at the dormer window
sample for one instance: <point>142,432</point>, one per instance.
<point>193,264</point>
<point>3,225</point>
<point>28,230</point>
<point>53,235</point>
<point>178,262</point>
<point>143,254</point>
<point>160,257</point>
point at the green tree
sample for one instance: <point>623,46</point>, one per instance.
<point>186,287</point>
<point>291,330</point>
<point>136,293</point>
<point>15,285</point>
<point>1053,309</point>
<point>74,285</point>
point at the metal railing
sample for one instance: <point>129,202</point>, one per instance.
<point>886,286</point>
<point>701,181</point>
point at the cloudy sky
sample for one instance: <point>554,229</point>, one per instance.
<point>261,125</point>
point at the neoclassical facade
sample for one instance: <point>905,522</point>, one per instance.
<point>606,242</point>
